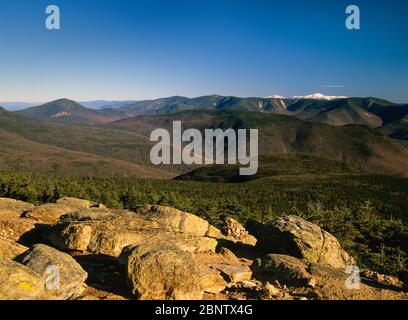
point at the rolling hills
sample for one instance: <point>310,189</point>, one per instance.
<point>360,147</point>
<point>23,155</point>
<point>376,113</point>
<point>213,102</point>
<point>317,127</point>
<point>34,146</point>
<point>372,112</point>
<point>65,111</point>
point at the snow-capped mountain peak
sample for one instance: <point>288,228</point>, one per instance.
<point>319,96</point>
<point>314,96</point>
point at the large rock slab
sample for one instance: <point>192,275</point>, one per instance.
<point>111,242</point>
<point>16,228</point>
<point>10,249</point>
<point>161,271</point>
<point>51,212</point>
<point>294,236</point>
<point>18,282</point>
<point>149,217</point>
<point>63,274</point>
<point>48,213</point>
<point>284,269</point>
<point>176,221</point>
<point>12,226</point>
<point>107,231</point>
<point>79,203</point>
<point>12,209</point>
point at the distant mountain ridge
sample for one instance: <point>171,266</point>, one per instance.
<point>65,111</point>
<point>387,117</point>
<point>331,110</point>
<point>335,111</point>
<point>360,147</point>
<point>102,145</point>
<point>37,146</point>
<point>15,106</point>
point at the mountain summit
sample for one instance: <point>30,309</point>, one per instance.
<point>319,96</point>
<point>332,110</point>
<point>65,111</point>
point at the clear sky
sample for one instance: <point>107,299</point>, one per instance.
<point>138,49</point>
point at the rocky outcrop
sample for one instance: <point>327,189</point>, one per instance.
<point>18,219</point>
<point>64,278</point>
<point>294,236</point>
<point>237,232</point>
<point>51,212</point>
<point>107,231</point>
<point>10,249</point>
<point>12,225</point>
<point>159,252</point>
<point>161,271</point>
<point>175,220</point>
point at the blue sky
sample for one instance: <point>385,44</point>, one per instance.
<point>138,49</point>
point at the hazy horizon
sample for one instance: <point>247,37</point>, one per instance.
<point>18,105</point>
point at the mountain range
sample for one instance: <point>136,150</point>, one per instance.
<point>360,147</point>
<point>387,117</point>
<point>93,104</point>
<point>64,136</point>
